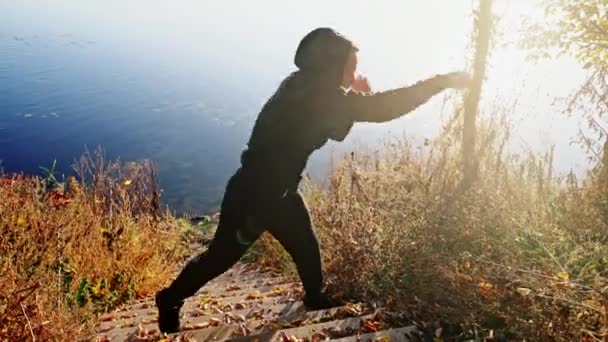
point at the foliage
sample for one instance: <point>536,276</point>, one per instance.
<point>67,255</point>
<point>578,28</point>
<point>50,179</point>
<point>575,27</point>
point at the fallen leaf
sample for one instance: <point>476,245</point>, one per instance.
<point>202,325</point>
<point>107,318</point>
<point>383,339</point>
<point>233,287</point>
<point>198,312</point>
<point>277,291</point>
<point>348,311</point>
<point>369,326</point>
<point>20,221</point>
<point>523,291</point>
<point>254,295</point>
<point>485,286</point>
<point>485,289</point>
<point>140,332</point>
<point>288,338</point>
<point>318,336</point>
<point>297,322</point>
<point>214,321</point>
<point>241,330</point>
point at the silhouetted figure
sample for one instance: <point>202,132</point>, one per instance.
<point>320,101</point>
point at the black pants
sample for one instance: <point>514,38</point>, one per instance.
<point>284,215</point>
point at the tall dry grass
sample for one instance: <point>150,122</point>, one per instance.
<point>522,253</point>
<point>68,254</point>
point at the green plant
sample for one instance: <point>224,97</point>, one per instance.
<point>49,179</point>
<point>103,294</point>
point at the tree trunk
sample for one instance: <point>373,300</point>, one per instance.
<point>483,31</point>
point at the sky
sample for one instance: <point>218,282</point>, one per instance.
<point>250,44</point>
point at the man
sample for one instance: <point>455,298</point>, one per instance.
<point>318,102</point>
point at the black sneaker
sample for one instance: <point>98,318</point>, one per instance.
<point>168,313</point>
<point>318,301</point>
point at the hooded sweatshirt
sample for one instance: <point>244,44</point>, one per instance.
<point>310,107</point>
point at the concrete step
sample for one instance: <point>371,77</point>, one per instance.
<point>312,331</point>
<point>227,301</point>
<point>406,334</point>
<point>264,329</point>
<point>197,317</point>
<point>253,304</point>
<point>259,320</point>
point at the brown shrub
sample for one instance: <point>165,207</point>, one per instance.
<point>68,254</point>
<point>520,251</point>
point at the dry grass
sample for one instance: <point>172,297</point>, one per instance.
<point>521,252</point>
<point>66,255</point>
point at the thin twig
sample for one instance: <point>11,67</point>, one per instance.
<point>540,275</point>
<point>31,290</point>
<point>592,334</point>
<point>29,324</point>
<point>552,256</point>
<point>569,301</point>
<point>33,287</point>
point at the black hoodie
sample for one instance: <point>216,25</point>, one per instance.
<point>310,107</point>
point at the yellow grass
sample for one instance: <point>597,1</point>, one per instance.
<point>67,255</point>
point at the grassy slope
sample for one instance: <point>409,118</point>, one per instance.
<point>65,256</point>
<point>521,252</point>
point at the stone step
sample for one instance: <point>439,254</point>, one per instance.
<point>406,334</point>
<point>217,327</point>
<point>312,332</point>
<point>228,301</point>
<point>296,319</point>
<point>252,304</point>
<point>219,286</point>
<point>196,316</point>
<point>235,289</point>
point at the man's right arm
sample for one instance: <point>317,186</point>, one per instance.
<point>388,105</point>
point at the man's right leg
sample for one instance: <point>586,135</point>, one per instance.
<point>225,250</point>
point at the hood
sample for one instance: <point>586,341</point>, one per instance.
<point>323,50</point>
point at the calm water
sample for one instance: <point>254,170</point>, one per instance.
<point>62,92</point>
<point>59,94</point>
